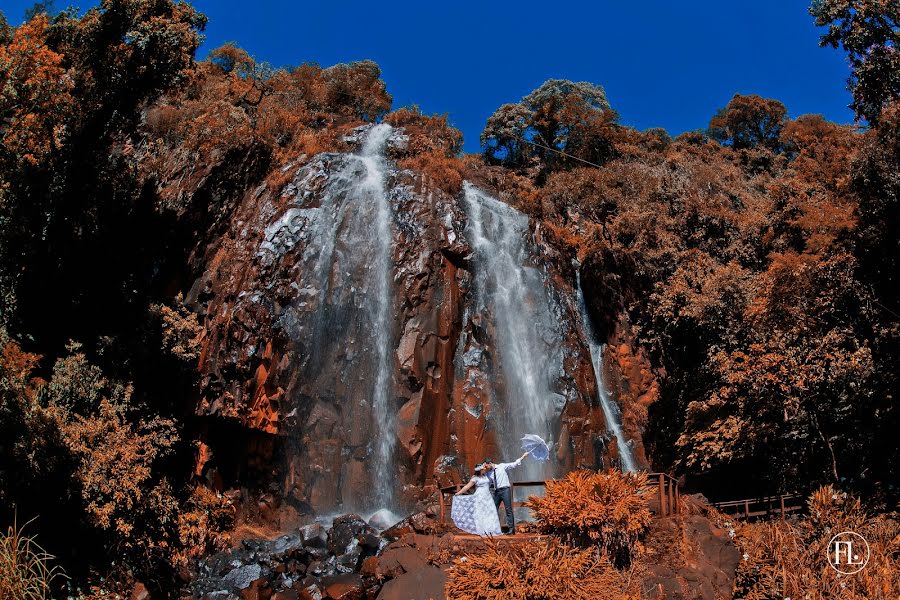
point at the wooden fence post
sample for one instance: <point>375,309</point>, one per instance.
<point>671,483</point>
<point>662,495</point>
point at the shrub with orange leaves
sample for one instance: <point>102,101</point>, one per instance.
<point>606,509</point>
<point>445,172</point>
<point>540,570</point>
<point>786,559</point>
<point>203,525</point>
<point>432,149</point>
<point>427,133</point>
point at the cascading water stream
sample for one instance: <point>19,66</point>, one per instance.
<point>372,157</point>
<point>512,294</point>
<point>341,318</point>
<point>611,411</point>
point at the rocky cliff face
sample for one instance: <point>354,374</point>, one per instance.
<point>346,382</point>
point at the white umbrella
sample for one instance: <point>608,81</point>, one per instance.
<point>535,446</point>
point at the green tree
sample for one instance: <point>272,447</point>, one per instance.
<point>557,116</point>
<point>39,8</point>
<point>5,30</point>
<point>868,31</point>
<point>503,137</point>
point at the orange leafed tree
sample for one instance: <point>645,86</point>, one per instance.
<point>35,94</point>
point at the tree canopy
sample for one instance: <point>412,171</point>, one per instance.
<point>868,31</point>
<point>560,115</point>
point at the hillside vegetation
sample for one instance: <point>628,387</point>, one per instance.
<point>756,259</point>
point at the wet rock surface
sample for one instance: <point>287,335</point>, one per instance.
<point>287,348</point>
<point>348,561</point>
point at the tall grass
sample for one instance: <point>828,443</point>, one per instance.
<point>26,572</point>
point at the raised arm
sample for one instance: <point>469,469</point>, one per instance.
<point>466,487</point>
<point>515,463</point>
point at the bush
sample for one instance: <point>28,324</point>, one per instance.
<point>539,571</point>
<point>25,569</point>
<point>203,525</point>
<point>783,559</point>
<point>607,509</point>
<point>445,172</point>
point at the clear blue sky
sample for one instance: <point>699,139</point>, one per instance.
<point>663,63</point>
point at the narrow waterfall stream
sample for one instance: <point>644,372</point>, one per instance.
<point>512,296</point>
<point>611,412</point>
<point>372,157</point>
<point>341,315</point>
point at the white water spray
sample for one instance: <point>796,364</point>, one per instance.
<point>372,157</point>
<point>611,411</point>
<point>341,317</point>
<point>511,292</point>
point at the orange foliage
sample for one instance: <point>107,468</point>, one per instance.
<point>232,102</point>
<point>539,571</point>
<point>35,94</point>
<point>432,148</point>
<point>426,133</point>
<point>203,525</point>
<point>785,559</point>
<point>607,509</point>
<point>445,173</point>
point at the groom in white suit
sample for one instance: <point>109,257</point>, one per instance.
<point>500,488</point>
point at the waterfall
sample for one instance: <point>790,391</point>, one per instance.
<point>341,316</point>
<point>611,411</point>
<point>512,295</point>
<point>372,157</point>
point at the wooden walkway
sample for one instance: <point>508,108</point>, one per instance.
<point>664,500</point>
<point>762,507</point>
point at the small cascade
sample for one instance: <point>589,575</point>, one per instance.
<point>611,412</point>
<point>512,298</point>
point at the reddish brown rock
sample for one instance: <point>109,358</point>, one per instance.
<point>632,383</point>
<point>425,583</point>
<point>396,561</point>
<point>348,586</point>
<point>139,592</point>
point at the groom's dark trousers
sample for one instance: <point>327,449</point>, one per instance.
<point>504,495</point>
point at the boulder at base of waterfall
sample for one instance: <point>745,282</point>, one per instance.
<point>346,530</point>
<point>243,577</point>
<point>348,586</point>
<point>314,535</point>
<point>421,583</point>
<point>383,519</point>
<point>421,523</point>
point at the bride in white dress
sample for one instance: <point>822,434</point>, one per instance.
<point>476,513</point>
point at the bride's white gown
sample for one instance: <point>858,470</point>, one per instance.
<point>476,513</point>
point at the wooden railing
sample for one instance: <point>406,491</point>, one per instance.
<point>667,493</point>
<point>667,497</point>
<point>766,506</point>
